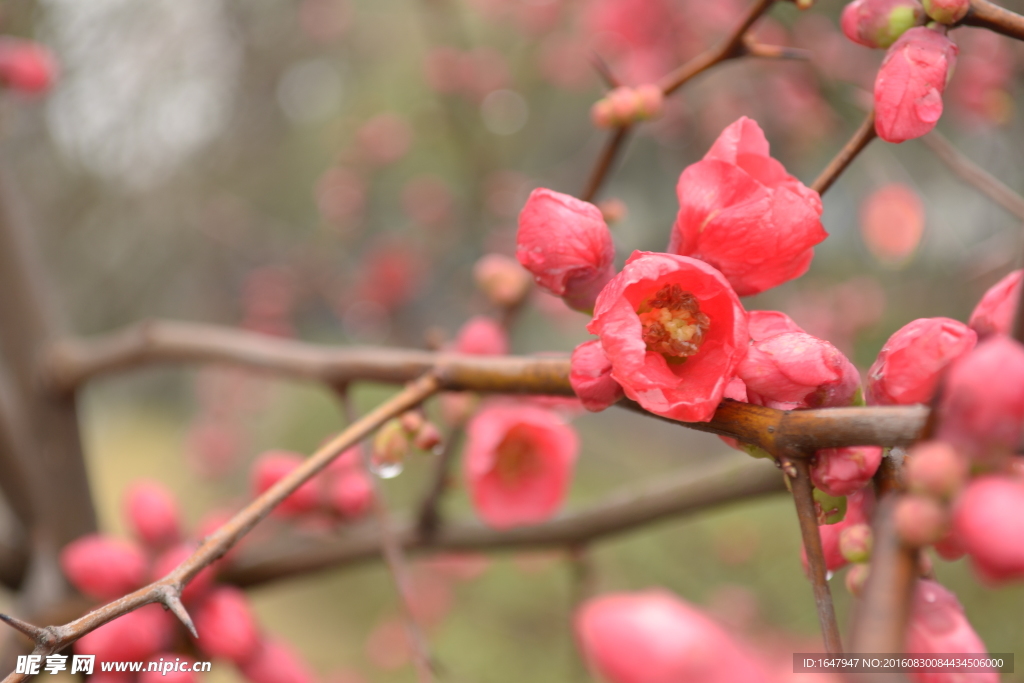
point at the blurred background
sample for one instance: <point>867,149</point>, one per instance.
<point>332,169</point>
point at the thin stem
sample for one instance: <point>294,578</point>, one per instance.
<point>604,162</point>
<point>854,146</point>
<point>798,471</point>
<point>430,509</point>
<point>984,14</point>
<point>979,178</point>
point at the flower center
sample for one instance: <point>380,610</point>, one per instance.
<point>673,324</point>
<point>517,456</point>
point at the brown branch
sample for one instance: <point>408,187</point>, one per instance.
<point>854,146</point>
<point>982,180</point>
<point>718,483</point>
<point>799,473</point>
<point>604,162</point>
<point>984,14</point>
<point>604,71</point>
<point>168,589</point>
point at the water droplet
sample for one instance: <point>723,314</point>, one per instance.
<point>829,574</point>
<point>386,470</point>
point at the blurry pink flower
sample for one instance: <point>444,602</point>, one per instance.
<point>482,70</point>
<point>562,60</point>
<point>988,523</point>
<point>591,377</point>
<point>482,336</point>
<point>567,246</point>
<point>226,625</point>
<point>908,89</point>
<point>325,20</point>
<point>169,676</point>
<point>213,446</point>
<point>270,292</point>
<point>340,195</point>
<point>908,367</point>
<point>390,274</point>
<point>428,201</point>
<point>273,466</point>
<point>276,662</point>
<point>640,37</point>
<point>765,324</point>
<point>674,331</point>
<point>26,66</point>
<point>653,637</point>
<point>934,468</point>
<point>152,513</point>
<point>169,560</point>
<point>842,471</point>
<point>132,637</point>
<point>980,87</point>
<point>892,223</point>
<point>982,409</point>
<point>502,279</point>
<point>937,626</point>
<point>351,494</point>
<point>794,370</point>
<point>878,23</point>
<point>995,312</point>
<point>103,567</point>
<point>518,464</point>
<point>856,542</point>
<point>384,139</point>
<point>745,215</point>
<point>920,520</point>
<point>441,69</point>
<point>430,596</point>
<point>949,546</point>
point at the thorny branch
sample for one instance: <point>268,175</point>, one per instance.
<point>982,180</point>
<point>984,14</point>
<point>856,144</point>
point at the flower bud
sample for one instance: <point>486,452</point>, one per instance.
<point>947,11</point>
<point>273,466</point>
<point>601,114</point>
<point>103,567</point>
<point>878,23</point>
<point>856,577</point>
<point>26,66</point>
<point>623,104</point>
<point>920,520</point>
<point>994,313</point>
<point>989,522</point>
<point>613,210</point>
<point>650,101</point>
<point>412,421</point>
<point>482,336</point>
<point>152,513</point>
<point>351,494</point>
<point>842,471</point>
<point>935,469</point>
<point>502,280</point>
<point>830,509</point>
<point>226,625</point>
<point>390,444</point>
<point>949,546</point>
<point>427,438</point>
<point>937,625</point>
<point>591,379</point>
<point>855,543</point>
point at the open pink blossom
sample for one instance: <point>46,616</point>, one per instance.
<point>591,377</point>
<point>226,625</point>
<point>674,331</point>
<point>995,312</point>
<point>988,522</point>
<point>740,211</point>
<point>794,370</point>
<point>152,513</point>
<point>910,82</point>
<point>654,637</point>
<point>982,409</point>
<point>842,471</point>
<point>482,336</point>
<point>131,637</point>
<point>938,625</point>
<point>567,246</point>
<point>103,567</point>
<point>518,463</point>
<point>276,662</point>
<point>908,367</point>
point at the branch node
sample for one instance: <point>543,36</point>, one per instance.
<point>40,636</point>
<point>170,597</point>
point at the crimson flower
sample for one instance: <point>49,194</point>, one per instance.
<point>674,332</point>
<point>567,246</point>
<point>518,463</point>
<point>740,211</point>
<point>988,522</point>
<point>910,82</point>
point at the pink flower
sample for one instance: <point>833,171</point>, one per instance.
<point>892,223</point>
<point>653,637</point>
<point>103,567</point>
<point>878,23</point>
<point>988,522</point>
<point>152,513</point>
<point>842,471</point>
<point>482,336</point>
<point>591,377</point>
<point>745,215</point>
<point>518,463</point>
<point>169,560</point>
<point>502,279</point>
<point>909,85</point>
<point>934,468</point>
<point>132,637</point>
<point>908,367</point>
<point>765,324</point>
<point>351,494</point>
<point>273,466</point>
<point>674,331</point>
<point>275,662</point>
<point>937,625</point>
<point>26,66</point>
<point>226,625</point>
<point>920,520</point>
<point>982,410</point>
<point>567,246</point>
<point>794,370</point>
<point>995,312</point>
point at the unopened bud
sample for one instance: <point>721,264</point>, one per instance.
<point>412,421</point>
<point>935,469</point>
<point>830,509</point>
<point>856,577</point>
<point>855,543</point>
<point>390,445</point>
<point>920,520</point>
<point>624,104</point>
<point>878,23</point>
<point>804,4</point>
<point>947,11</point>
<point>428,437</point>
<point>613,210</point>
<point>601,114</point>
<point>650,101</point>
<point>503,281</point>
